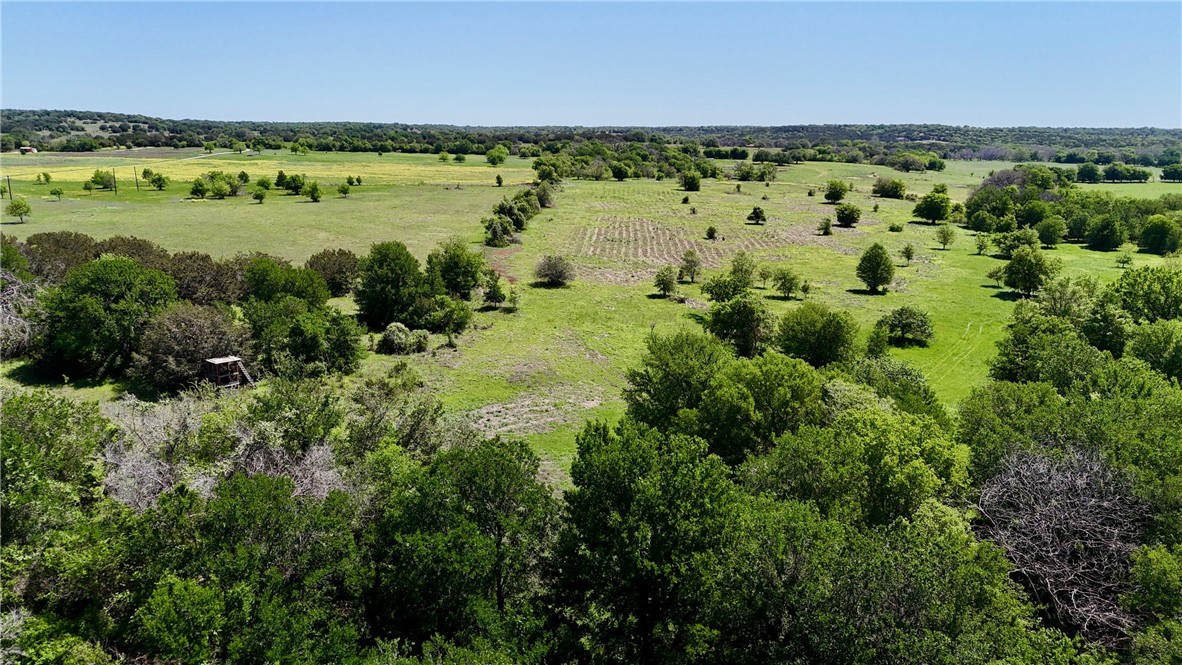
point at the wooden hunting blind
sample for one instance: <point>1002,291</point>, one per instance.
<point>226,372</point>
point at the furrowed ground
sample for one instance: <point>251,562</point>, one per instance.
<point>561,359</point>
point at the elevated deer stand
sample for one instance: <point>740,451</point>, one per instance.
<point>227,372</point>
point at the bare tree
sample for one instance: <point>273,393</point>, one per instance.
<point>1069,525</point>
<point>16,298</point>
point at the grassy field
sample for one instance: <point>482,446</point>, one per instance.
<point>561,359</point>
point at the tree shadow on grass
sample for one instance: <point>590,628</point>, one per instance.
<point>907,343</point>
<point>866,292</point>
<point>29,375</point>
<point>658,296</point>
<point>696,317</point>
<point>1008,296</point>
<point>543,284</point>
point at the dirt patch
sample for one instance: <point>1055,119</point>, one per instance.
<point>538,411</point>
<point>499,261</point>
<point>644,245</point>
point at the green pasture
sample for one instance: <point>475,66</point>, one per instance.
<point>561,359</point>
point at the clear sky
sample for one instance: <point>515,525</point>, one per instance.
<point>987,64</point>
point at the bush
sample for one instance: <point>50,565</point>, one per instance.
<point>711,233</point>
<point>1051,230</point>
<point>554,270</point>
<point>889,188</point>
<point>545,194</point>
<point>895,227</point>
<point>825,228</point>
<point>1161,234</point>
<point>177,340</point>
<point>908,325</point>
<point>392,288</point>
<point>397,339</point>
<point>744,321</point>
<point>201,280</point>
<point>786,282</point>
<point>1106,235</point>
<point>666,280</point>
<point>875,268</point>
<point>1007,243</point>
<point>311,190</point>
<point>691,181</point>
<point>757,215</point>
<point>322,338</point>
<point>498,231</point>
<point>848,215</point>
<point>1029,270</point>
<point>835,190</point>
<point>266,278</point>
<point>338,267</point>
<point>455,270</point>
<point>144,252</point>
<point>817,335</point>
<point>94,320</point>
<point>51,255</point>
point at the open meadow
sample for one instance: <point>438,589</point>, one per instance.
<point>559,360</point>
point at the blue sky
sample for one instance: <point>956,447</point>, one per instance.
<point>988,64</point>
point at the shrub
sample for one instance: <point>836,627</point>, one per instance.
<point>498,231</point>
<point>757,215</point>
<point>266,278</point>
<point>392,288</point>
<point>338,267</point>
<point>875,268</point>
<point>94,320</point>
<point>554,270</point>
<point>144,252</point>
<point>889,188</point>
<point>895,227</point>
<point>1051,230</point>
<point>666,280</point>
<point>691,181</point>
<point>817,335</point>
<point>545,194</point>
<point>51,255</point>
<point>322,338</point>
<point>945,235</point>
<point>201,280</point>
<point>825,228</point>
<point>454,269</point>
<point>848,215</point>
<point>786,282</point>
<point>1007,243</point>
<point>1107,234</point>
<point>711,233</point>
<point>835,190</point>
<point>397,339</point>
<point>177,340</point>
<point>908,253</point>
<point>1161,234</point>
<point>743,321</point>
<point>908,325</point>
<point>1029,270</point>
<point>311,190</point>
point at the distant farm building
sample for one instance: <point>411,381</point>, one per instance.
<point>26,149</point>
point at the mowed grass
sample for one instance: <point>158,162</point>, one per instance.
<point>540,372</point>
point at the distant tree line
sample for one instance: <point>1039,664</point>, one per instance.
<point>85,131</point>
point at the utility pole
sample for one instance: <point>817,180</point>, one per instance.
<point>9,188</point>
<point>136,175</point>
<point>114,182</point>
